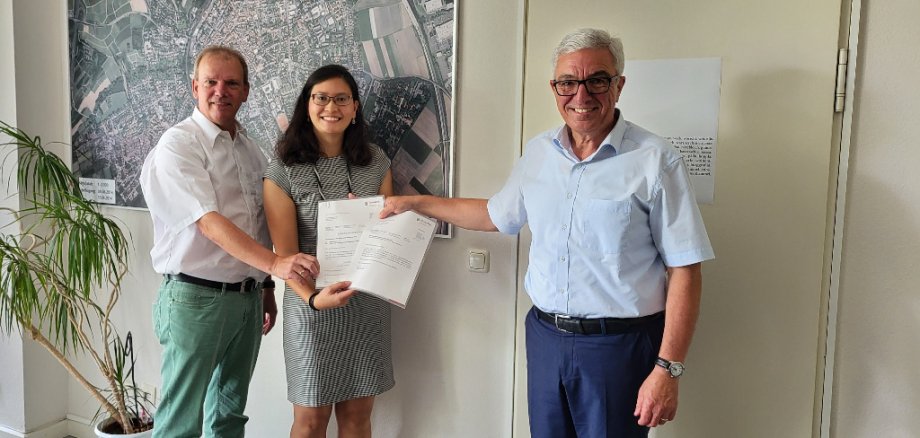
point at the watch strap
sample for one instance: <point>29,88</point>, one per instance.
<point>669,366</point>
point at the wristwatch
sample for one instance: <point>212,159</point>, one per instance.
<point>675,369</point>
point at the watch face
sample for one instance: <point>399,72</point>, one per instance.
<point>676,369</point>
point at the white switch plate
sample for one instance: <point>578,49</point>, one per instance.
<point>479,260</point>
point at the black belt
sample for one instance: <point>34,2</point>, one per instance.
<point>247,285</point>
<point>595,326</point>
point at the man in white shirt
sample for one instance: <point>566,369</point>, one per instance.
<point>203,187</point>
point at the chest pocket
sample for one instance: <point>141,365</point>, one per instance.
<point>605,225</point>
<point>251,185</point>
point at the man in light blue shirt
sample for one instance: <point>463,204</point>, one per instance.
<point>614,269</point>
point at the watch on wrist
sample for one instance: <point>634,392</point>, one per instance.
<point>675,369</point>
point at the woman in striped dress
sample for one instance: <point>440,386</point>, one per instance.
<point>336,341</point>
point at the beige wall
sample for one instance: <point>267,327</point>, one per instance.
<point>877,385</point>
<point>12,383</point>
<point>7,110</point>
<point>28,104</point>
<point>12,388</point>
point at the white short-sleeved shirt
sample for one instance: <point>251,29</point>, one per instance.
<point>604,228</point>
<point>194,169</point>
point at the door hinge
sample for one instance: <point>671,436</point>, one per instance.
<point>840,91</point>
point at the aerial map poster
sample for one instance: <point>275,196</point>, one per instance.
<point>131,63</point>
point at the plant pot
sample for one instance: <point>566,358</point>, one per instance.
<point>102,424</point>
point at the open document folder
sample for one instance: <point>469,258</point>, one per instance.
<point>382,257</point>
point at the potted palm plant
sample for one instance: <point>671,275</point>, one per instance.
<point>61,266</point>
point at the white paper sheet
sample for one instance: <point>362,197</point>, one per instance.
<point>339,225</point>
<point>389,256</point>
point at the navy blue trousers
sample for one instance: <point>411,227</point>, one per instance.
<point>585,386</point>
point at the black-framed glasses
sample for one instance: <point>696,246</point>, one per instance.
<point>595,85</point>
<point>324,99</point>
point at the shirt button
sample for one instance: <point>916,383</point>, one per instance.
<point>561,291</point>
<point>565,227</point>
<point>562,259</point>
<point>568,196</point>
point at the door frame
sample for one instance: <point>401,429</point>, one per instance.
<point>851,41</point>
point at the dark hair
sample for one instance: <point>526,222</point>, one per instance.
<point>298,144</point>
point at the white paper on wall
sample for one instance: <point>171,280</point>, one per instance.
<point>679,99</point>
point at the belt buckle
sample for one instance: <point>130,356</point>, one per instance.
<point>247,285</point>
<point>556,318</point>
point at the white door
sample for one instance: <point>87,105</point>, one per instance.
<point>876,383</point>
<point>754,362</point>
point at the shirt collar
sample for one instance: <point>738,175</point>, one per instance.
<point>611,146</point>
<point>210,130</point>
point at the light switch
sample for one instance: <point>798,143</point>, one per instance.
<point>479,260</point>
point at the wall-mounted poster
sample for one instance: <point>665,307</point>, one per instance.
<point>678,99</point>
<point>131,63</point>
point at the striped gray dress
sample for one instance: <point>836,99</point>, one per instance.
<point>335,354</point>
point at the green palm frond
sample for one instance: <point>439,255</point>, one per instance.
<point>40,170</point>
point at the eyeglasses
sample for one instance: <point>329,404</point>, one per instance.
<point>323,100</point>
<point>596,85</point>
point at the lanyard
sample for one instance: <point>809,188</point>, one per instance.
<point>319,182</point>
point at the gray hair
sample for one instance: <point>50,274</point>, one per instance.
<point>223,51</point>
<point>591,39</point>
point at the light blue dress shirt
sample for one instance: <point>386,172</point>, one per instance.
<point>605,228</point>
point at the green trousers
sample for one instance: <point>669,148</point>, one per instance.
<point>210,343</point>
